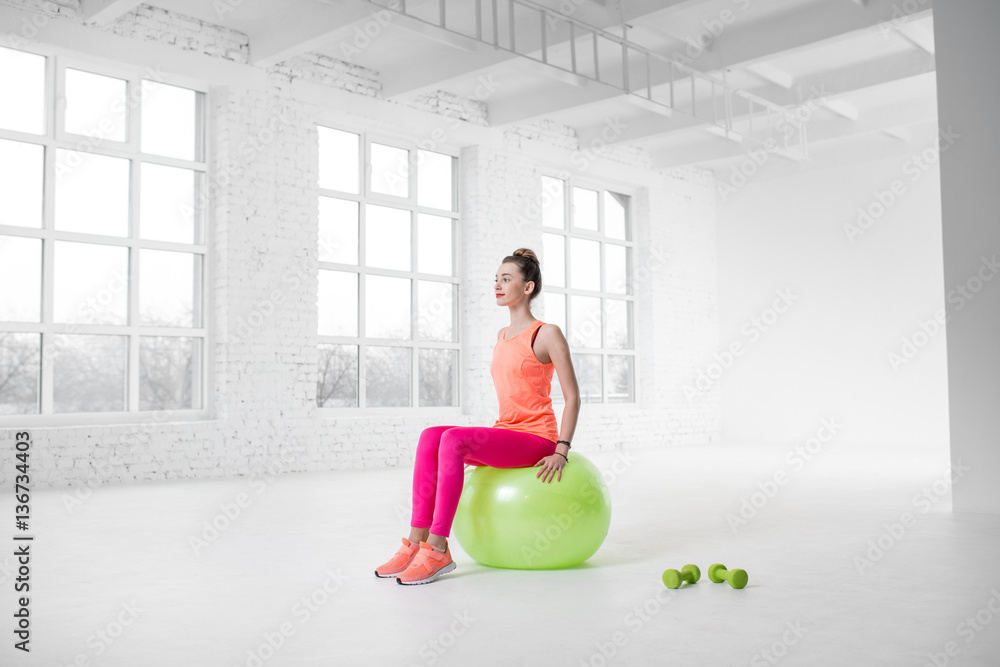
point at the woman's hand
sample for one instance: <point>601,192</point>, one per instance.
<point>550,466</point>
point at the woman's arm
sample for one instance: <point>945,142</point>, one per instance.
<point>555,347</point>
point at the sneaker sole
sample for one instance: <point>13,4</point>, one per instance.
<point>444,570</point>
<point>388,576</point>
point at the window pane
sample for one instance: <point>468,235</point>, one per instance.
<point>167,205</point>
<point>169,120</point>
<point>387,307</point>
<point>20,280</point>
<point>435,180</point>
<point>585,264</point>
<point>585,209</point>
<point>169,369</point>
<point>434,245</point>
<point>168,282</point>
<point>387,376</point>
<point>390,171</point>
<point>91,283</point>
<point>88,373</point>
<point>92,193</point>
<point>21,172</point>
<point>435,311</point>
<point>585,322</point>
<point>338,303</point>
<point>338,160</point>
<point>96,105</point>
<point>553,203</point>
<point>614,215</point>
<point>338,230</point>
<point>616,269</point>
<point>555,310</point>
<point>618,317</point>
<point>554,253</point>
<point>19,373</point>
<point>588,376</point>
<point>437,373</point>
<point>387,237</point>
<point>22,78</point>
<point>621,379</point>
<point>337,386</point>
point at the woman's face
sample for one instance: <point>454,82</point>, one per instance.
<point>508,285</point>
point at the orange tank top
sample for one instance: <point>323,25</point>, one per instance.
<point>523,384</point>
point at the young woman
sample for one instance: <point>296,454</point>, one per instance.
<point>525,435</point>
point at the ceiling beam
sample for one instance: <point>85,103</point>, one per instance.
<point>826,87</point>
<point>290,34</point>
<point>737,47</point>
<point>901,133</point>
<point>416,77</point>
<point>888,116</point>
<point>918,34</point>
<point>772,74</point>
<point>102,12</point>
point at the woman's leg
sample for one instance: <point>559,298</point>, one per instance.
<point>425,479</point>
<point>495,447</point>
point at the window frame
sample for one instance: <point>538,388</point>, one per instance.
<point>55,138</point>
<point>571,180</point>
<point>367,136</point>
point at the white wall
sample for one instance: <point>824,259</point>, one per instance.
<point>965,33</point>
<point>853,303</point>
<point>263,237</point>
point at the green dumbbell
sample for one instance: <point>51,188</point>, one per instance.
<point>718,573</point>
<point>688,573</point>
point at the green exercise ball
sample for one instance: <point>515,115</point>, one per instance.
<point>509,518</point>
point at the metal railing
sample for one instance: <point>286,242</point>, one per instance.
<point>570,45</point>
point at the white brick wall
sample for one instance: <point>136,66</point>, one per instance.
<point>263,291</point>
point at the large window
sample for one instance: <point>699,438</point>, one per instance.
<point>102,248</point>
<point>388,290</point>
<point>587,247</point>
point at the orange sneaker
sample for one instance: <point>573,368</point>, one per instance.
<point>398,563</point>
<point>427,565</point>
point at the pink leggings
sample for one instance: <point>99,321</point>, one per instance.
<point>439,472</point>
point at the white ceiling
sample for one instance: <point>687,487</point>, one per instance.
<point>874,74</point>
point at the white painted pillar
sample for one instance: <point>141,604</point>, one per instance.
<point>968,76</point>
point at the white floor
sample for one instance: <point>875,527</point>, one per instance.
<point>298,559</point>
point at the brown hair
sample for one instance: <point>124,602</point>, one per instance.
<point>527,263</point>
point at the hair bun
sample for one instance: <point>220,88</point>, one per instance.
<point>527,253</point>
